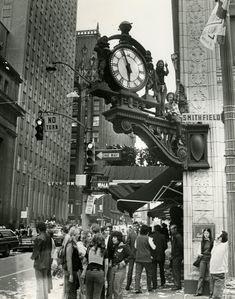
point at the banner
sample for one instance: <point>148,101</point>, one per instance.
<point>215,26</point>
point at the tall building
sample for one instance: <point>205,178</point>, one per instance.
<point>9,111</point>
<point>101,130</point>
<point>41,31</point>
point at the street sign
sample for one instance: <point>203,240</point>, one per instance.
<point>52,123</point>
<point>109,154</point>
<point>89,204</point>
<point>99,182</point>
<point>80,180</point>
<point>201,117</point>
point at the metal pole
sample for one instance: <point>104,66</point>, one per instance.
<point>229,128</point>
<point>89,137</point>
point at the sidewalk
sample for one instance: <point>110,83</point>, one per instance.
<point>160,293</point>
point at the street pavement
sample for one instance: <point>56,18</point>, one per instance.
<point>17,281</point>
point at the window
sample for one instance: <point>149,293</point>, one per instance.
<point>96,121</point>
<point>96,137</point>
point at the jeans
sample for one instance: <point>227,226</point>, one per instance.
<point>203,272</point>
<point>154,273</point>
<point>217,281</point>
<point>94,283</point>
<point>42,284</point>
<point>109,284</point>
<point>118,277</point>
<point>70,288</point>
<point>176,271</point>
<point>138,272</point>
<point>130,272</point>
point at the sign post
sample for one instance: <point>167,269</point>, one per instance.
<point>109,154</point>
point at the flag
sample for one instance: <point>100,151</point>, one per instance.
<point>215,28</point>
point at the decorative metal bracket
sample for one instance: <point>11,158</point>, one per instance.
<point>159,134</point>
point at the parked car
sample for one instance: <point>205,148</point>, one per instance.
<point>26,239</point>
<point>8,241</point>
<point>57,235</point>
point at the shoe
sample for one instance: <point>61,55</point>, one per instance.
<point>138,292</point>
<point>151,290</point>
<point>196,295</point>
<point>128,288</point>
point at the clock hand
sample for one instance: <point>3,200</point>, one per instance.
<point>128,66</point>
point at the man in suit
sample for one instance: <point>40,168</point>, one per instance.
<point>131,238</point>
<point>176,255</point>
<point>158,255</point>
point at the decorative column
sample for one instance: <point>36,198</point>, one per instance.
<point>229,129</point>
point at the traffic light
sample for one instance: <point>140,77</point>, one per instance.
<point>39,128</point>
<point>90,154</point>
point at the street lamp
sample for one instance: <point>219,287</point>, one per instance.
<point>51,68</point>
<point>80,135</point>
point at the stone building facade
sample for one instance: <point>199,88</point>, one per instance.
<point>199,70</point>
<point>40,32</point>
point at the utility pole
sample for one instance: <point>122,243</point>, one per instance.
<point>229,128</point>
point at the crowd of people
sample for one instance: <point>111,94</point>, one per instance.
<point>99,263</point>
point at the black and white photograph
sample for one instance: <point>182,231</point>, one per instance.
<point>117,149</point>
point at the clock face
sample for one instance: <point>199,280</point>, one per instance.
<point>128,69</point>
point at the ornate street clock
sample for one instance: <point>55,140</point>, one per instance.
<point>128,68</point>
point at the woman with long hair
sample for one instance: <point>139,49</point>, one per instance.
<point>205,254</point>
<point>97,267</point>
<point>72,265</point>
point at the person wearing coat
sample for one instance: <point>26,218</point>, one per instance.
<point>176,256</point>
<point>119,263</point>
<point>158,255</point>
<point>42,260</point>
<point>131,238</point>
<point>143,259</point>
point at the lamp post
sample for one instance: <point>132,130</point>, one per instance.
<point>81,135</point>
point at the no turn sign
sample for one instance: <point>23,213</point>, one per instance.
<point>51,123</point>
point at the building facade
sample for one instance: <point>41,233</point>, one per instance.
<point>9,111</point>
<point>200,71</point>
<point>40,32</point>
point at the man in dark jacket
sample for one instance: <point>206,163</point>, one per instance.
<point>176,256</point>
<point>131,237</point>
<point>42,260</point>
<point>158,255</point>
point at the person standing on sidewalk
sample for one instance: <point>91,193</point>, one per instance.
<point>143,260</point>
<point>219,265</point>
<point>131,238</point>
<point>158,255</point>
<point>205,255</point>
<point>119,262</point>
<point>42,260</point>
<point>97,267</point>
<point>71,265</point>
<point>176,256</point>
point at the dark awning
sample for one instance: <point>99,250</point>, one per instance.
<point>162,211</point>
<point>168,184</point>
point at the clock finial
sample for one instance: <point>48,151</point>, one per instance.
<point>125,27</point>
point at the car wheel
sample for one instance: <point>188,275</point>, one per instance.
<point>7,252</point>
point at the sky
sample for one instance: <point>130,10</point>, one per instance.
<point>151,25</point>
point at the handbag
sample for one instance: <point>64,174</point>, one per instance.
<point>197,262</point>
